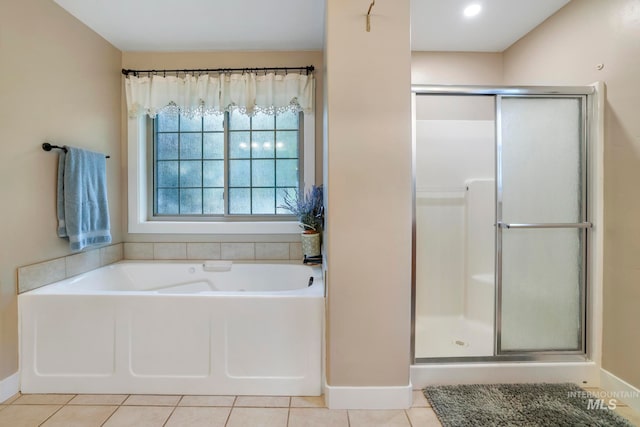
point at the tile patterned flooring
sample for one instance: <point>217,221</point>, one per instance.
<point>90,410</point>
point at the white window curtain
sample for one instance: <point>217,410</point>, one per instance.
<point>217,93</point>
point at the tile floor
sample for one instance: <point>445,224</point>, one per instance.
<point>88,410</point>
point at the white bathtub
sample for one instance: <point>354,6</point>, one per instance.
<point>173,328</point>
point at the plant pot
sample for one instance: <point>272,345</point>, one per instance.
<point>311,244</point>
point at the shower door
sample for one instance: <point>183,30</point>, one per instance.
<point>541,224</point>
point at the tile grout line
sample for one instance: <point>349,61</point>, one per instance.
<point>289,411</point>
<point>57,410</point>
<point>118,406</point>
<point>233,404</point>
<point>110,415</point>
<point>174,410</point>
<point>406,414</point>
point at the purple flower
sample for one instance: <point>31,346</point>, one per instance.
<point>308,207</point>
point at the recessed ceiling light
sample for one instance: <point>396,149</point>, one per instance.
<point>472,10</point>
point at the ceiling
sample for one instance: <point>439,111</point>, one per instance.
<point>191,25</point>
<point>440,25</point>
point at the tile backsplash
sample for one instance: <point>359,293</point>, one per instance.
<point>36,275</point>
<point>201,251</point>
<point>43,273</point>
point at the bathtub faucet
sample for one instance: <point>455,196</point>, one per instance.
<point>313,260</point>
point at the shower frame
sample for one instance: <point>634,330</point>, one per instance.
<point>591,119</point>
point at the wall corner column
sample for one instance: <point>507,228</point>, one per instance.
<point>367,177</point>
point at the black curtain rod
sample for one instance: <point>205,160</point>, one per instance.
<point>48,147</point>
<point>308,69</point>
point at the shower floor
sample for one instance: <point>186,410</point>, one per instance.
<point>452,336</point>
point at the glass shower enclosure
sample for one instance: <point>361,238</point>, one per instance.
<point>501,223</point>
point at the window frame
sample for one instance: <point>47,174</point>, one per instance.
<point>140,191</point>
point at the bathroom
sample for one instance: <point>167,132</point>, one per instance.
<point>50,57</point>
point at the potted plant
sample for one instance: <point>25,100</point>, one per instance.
<point>308,208</point>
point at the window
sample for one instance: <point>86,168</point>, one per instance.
<point>225,165</point>
<point>221,173</point>
<point>188,196</point>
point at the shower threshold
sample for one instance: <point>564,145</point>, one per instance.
<point>584,372</point>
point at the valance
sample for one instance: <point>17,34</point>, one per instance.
<point>216,93</point>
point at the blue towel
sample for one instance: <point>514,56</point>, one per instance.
<point>83,211</point>
<point>62,229</point>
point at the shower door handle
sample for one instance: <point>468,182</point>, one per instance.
<point>546,225</point>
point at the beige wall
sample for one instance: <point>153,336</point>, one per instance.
<point>186,60</point>
<point>565,50</point>
<point>368,178</point>
<point>60,83</point>
<point>456,68</point>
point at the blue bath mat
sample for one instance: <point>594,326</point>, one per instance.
<point>517,405</point>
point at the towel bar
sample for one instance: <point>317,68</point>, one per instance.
<point>48,147</point>
<point>547,225</point>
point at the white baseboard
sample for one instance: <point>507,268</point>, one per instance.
<point>9,386</point>
<point>340,397</point>
<point>620,390</point>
